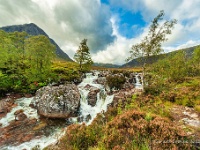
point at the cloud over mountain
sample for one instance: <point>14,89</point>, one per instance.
<point>66,21</point>
<point>111,26</point>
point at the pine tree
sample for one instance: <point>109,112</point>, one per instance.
<point>82,56</point>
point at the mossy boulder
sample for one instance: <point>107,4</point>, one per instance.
<point>61,101</point>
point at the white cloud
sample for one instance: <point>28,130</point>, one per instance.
<point>69,21</point>
<point>190,43</point>
<point>118,51</point>
<point>185,34</point>
<point>66,21</point>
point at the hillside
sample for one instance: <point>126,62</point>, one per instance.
<point>106,65</point>
<point>33,29</point>
<point>153,59</point>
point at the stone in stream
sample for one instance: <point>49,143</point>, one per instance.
<point>18,111</point>
<point>101,80</point>
<point>5,106</point>
<point>20,116</point>
<point>58,101</point>
<point>92,96</point>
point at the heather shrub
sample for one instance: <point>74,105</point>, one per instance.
<point>130,130</point>
<point>132,126</point>
<point>115,81</point>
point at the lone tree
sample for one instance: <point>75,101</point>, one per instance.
<point>151,44</point>
<point>82,56</point>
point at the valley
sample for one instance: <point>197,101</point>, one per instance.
<point>50,101</point>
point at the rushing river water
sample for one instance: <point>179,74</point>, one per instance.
<point>85,110</point>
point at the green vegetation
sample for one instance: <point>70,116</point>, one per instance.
<point>28,63</point>
<point>172,71</point>
<point>151,44</point>
<point>83,58</point>
<point>65,71</point>
<point>115,81</point>
<point>129,129</point>
<point>24,61</point>
<point>141,122</point>
<point>145,121</point>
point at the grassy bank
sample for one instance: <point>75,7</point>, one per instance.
<point>142,122</point>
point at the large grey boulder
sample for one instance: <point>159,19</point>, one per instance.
<point>58,101</point>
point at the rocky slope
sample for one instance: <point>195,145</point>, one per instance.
<point>33,29</point>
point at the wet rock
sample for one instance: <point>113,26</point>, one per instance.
<point>80,119</point>
<point>18,111</point>
<point>58,101</point>
<point>87,87</point>
<point>18,132</point>
<point>28,95</point>
<point>88,117</point>
<point>104,73</point>
<point>20,116</point>
<point>92,96</point>
<point>77,81</point>
<point>187,115</point>
<point>32,104</point>
<point>101,80</point>
<point>0,124</point>
<point>3,106</point>
<point>128,86</point>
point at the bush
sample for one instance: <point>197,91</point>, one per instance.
<point>173,67</point>
<point>115,81</point>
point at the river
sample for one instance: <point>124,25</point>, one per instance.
<point>87,114</point>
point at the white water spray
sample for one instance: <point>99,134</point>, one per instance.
<point>102,99</point>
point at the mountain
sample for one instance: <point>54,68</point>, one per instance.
<point>106,65</point>
<point>33,29</point>
<point>153,59</point>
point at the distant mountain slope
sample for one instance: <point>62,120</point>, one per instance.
<point>33,29</point>
<point>106,65</point>
<point>153,59</point>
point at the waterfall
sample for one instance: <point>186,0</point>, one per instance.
<point>87,113</point>
<point>42,142</point>
<point>138,79</point>
<point>102,99</point>
<point>22,103</point>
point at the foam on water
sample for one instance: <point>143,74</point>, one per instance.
<point>102,101</point>
<point>138,84</point>
<point>22,103</point>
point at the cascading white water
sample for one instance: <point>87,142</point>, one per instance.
<point>138,79</point>
<point>85,110</point>
<point>22,103</point>
<point>102,98</point>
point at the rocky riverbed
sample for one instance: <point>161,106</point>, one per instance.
<point>40,120</point>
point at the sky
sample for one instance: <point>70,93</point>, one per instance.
<point>111,26</point>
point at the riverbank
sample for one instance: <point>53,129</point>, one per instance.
<point>145,121</point>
